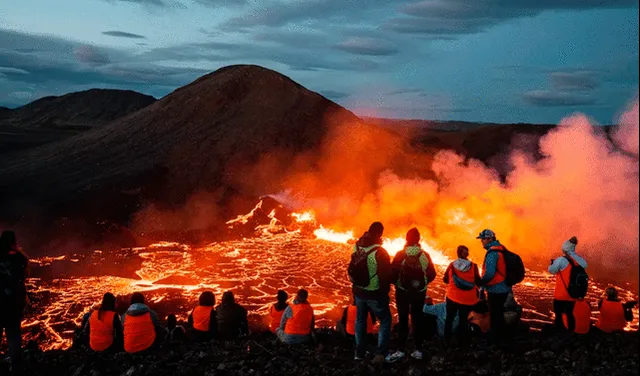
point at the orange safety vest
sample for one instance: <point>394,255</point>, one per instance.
<point>276,317</point>
<point>352,312</point>
<point>582,314</point>
<point>101,330</point>
<point>202,318</point>
<point>465,297</point>
<point>562,282</point>
<point>300,322</point>
<point>611,317</point>
<point>139,333</point>
<point>501,268</point>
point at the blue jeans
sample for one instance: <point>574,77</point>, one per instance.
<point>381,310</point>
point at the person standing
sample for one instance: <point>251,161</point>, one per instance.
<point>370,274</point>
<point>461,278</point>
<point>412,271</point>
<point>494,281</point>
<point>563,302</point>
<point>13,295</point>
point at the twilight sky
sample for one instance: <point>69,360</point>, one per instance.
<point>477,60</point>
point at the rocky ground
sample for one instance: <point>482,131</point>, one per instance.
<point>535,354</point>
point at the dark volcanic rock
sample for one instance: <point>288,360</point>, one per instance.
<point>261,355</point>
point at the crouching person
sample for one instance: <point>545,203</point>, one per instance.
<point>140,325</point>
<point>298,321</point>
<point>202,322</point>
<point>102,327</point>
<point>174,332</point>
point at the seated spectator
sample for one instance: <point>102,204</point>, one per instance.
<point>582,317</point>
<point>141,326</point>
<point>174,332</point>
<point>101,328</point>
<point>614,314</point>
<point>298,321</point>
<point>277,310</point>
<point>231,317</point>
<point>202,322</point>
<point>347,324</point>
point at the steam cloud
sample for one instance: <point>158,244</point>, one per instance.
<point>586,185</point>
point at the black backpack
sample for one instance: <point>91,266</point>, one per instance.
<point>578,281</point>
<point>412,276</point>
<point>515,267</point>
<point>359,267</point>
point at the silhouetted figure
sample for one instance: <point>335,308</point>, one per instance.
<point>494,283</point>
<point>232,318</point>
<point>140,325</point>
<point>412,270</point>
<point>277,310</point>
<point>13,295</point>
<point>202,322</point>
<point>174,332</point>
<point>370,274</point>
<point>101,328</point>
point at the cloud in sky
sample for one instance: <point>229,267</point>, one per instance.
<point>123,34</point>
<point>368,46</point>
<point>409,49</point>
<point>549,98</point>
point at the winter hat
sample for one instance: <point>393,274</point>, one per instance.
<point>376,229</point>
<point>570,245</point>
<point>413,236</point>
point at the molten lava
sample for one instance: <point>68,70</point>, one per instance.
<point>172,275</point>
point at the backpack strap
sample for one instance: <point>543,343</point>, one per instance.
<point>572,264</point>
<point>367,253</point>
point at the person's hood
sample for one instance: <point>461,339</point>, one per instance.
<point>296,302</point>
<point>462,265</point>
<point>137,309</point>
<point>228,299</point>
<point>367,240</point>
<point>568,247</point>
<point>413,250</point>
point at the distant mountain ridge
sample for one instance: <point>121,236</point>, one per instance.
<point>82,109</point>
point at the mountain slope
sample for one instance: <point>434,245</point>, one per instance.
<point>174,147</point>
<point>77,110</point>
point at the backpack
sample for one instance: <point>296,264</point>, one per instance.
<point>359,267</point>
<point>412,276</point>
<point>515,267</point>
<point>578,281</point>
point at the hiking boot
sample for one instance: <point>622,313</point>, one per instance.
<point>417,355</point>
<point>394,357</point>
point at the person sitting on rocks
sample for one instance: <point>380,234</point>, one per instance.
<point>202,322</point>
<point>298,321</point>
<point>438,313</point>
<point>582,315</point>
<point>102,327</point>
<point>140,325</point>
<point>174,332</point>
<point>347,324</point>
<point>613,313</point>
<point>231,317</point>
<point>277,310</point>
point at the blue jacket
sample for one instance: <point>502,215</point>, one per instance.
<point>490,268</point>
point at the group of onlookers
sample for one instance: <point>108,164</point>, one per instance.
<point>475,301</point>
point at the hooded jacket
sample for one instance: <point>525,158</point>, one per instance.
<point>383,268</point>
<point>491,269</point>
